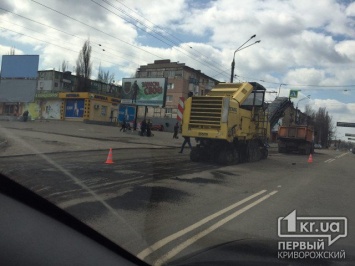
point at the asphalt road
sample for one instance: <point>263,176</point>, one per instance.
<point>162,207</point>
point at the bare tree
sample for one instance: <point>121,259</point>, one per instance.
<point>309,110</point>
<point>12,51</point>
<point>83,67</point>
<point>64,66</point>
<point>323,127</point>
<point>105,76</point>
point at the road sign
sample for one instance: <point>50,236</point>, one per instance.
<point>344,124</point>
<point>293,94</point>
<point>351,139</point>
<point>349,135</point>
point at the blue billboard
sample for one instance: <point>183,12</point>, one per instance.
<point>18,78</point>
<point>126,112</point>
<point>19,66</point>
<point>74,108</point>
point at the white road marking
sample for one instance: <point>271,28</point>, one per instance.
<point>198,236</point>
<point>146,252</point>
<point>336,157</point>
<point>341,155</point>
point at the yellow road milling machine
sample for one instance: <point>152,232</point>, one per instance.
<point>230,123</point>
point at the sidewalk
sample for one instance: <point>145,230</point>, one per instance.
<point>93,131</point>
<point>100,135</point>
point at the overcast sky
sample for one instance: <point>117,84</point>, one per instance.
<point>306,45</point>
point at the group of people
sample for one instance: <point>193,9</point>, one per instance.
<point>125,126</point>
<point>146,128</point>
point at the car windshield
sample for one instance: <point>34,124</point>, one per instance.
<point>187,131</point>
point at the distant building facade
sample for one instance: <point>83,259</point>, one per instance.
<point>56,98</point>
<point>181,80</point>
<point>57,81</point>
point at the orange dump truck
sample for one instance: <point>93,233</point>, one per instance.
<point>295,138</point>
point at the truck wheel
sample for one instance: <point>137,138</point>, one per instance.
<point>236,158</point>
<point>282,150</point>
<point>253,152</point>
<point>264,153</point>
<point>195,155</point>
<point>225,157</point>
<point>308,150</point>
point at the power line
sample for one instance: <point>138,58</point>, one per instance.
<point>171,44</point>
<point>300,85</point>
<point>68,49</point>
<point>167,32</point>
<point>276,83</point>
<point>61,31</point>
<point>83,23</point>
<point>157,26</point>
<point>34,21</point>
<point>54,10</point>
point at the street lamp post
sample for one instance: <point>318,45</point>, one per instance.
<point>307,97</point>
<point>280,89</point>
<point>241,48</point>
<point>297,115</point>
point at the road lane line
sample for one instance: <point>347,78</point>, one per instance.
<point>341,155</point>
<point>198,236</point>
<point>77,181</point>
<point>146,252</point>
<point>329,160</point>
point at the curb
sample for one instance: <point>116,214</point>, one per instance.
<point>133,140</point>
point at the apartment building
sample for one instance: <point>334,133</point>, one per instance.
<point>181,80</point>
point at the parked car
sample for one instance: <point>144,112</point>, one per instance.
<point>317,146</point>
<point>157,127</point>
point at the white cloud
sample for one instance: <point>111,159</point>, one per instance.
<point>304,76</point>
<point>350,10</point>
<point>302,41</point>
<point>346,48</point>
<point>331,105</point>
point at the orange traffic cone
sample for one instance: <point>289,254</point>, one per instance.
<point>310,159</point>
<point>109,157</point>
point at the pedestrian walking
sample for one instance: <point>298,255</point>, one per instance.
<point>111,116</point>
<point>25,116</point>
<point>186,141</point>
<point>176,131</point>
<point>143,127</point>
<point>149,132</point>
<point>123,125</point>
<point>128,126</point>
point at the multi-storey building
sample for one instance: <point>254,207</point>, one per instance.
<point>181,80</point>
